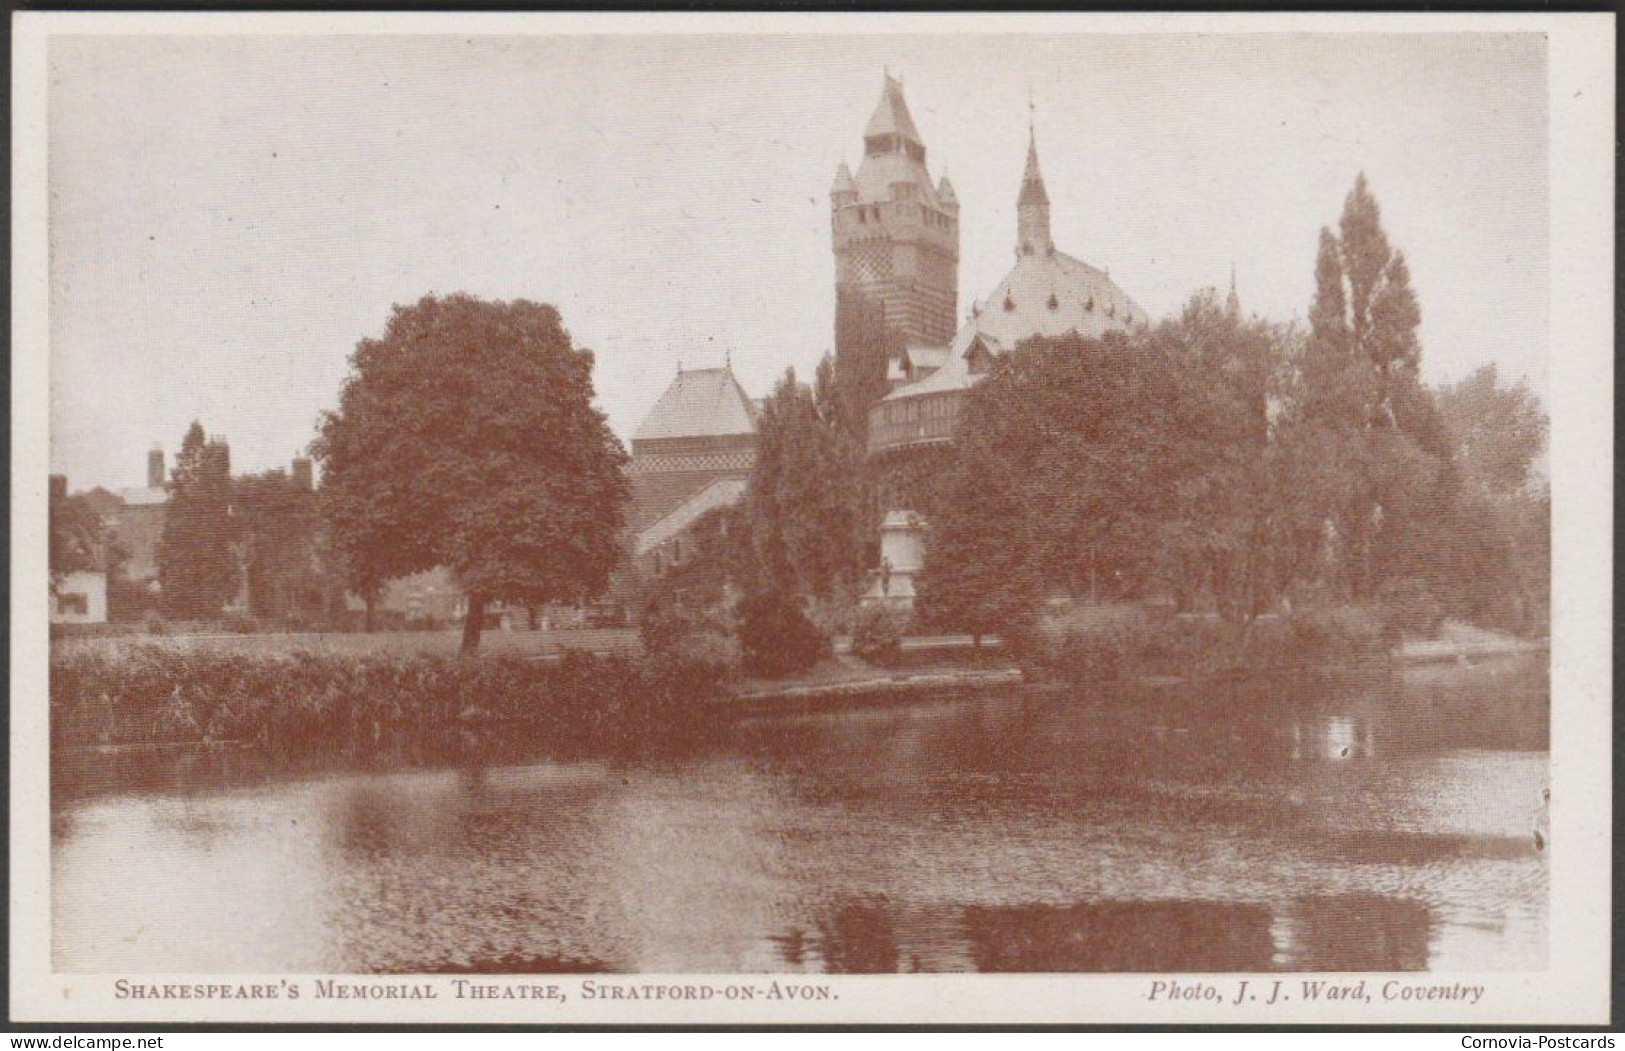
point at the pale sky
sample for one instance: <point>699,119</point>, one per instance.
<point>229,215</point>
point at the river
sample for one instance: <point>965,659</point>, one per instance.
<point>1398,826</point>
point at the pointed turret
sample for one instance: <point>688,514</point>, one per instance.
<point>1232,302</point>
<point>845,190</point>
<point>945,194</point>
<point>1032,206</point>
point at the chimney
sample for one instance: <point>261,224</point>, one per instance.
<point>155,467</point>
<point>302,476</point>
<point>59,487</point>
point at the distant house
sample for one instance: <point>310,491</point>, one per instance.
<point>132,523</point>
<point>80,598</point>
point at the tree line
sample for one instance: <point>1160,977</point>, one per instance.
<point>1217,460</point>
<point>1246,466</point>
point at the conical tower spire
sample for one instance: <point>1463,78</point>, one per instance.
<point>1232,302</point>
<point>895,231</point>
<point>1032,206</point>
<point>891,129</point>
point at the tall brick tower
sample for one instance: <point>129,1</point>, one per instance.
<point>896,234</point>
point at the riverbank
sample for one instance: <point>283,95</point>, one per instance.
<point>302,703</point>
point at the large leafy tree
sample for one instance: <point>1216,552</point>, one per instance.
<point>198,566</point>
<point>1244,527</point>
<point>1157,460</point>
<point>1364,354</point>
<point>1498,431</point>
<point>1079,466</point>
<point>466,437</point>
<point>1498,434</point>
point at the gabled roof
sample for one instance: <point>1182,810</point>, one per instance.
<point>700,403</point>
<point>926,357</point>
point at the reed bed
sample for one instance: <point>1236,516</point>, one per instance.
<point>303,704</point>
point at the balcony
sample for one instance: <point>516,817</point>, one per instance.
<point>903,423</point>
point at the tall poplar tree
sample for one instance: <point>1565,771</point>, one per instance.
<point>804,500</point>
<point>197,565</point>
<point>864,348</point>
<point>1362,388</point>
<point>1364,353</point>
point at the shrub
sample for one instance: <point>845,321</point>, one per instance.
<point>1341,636</point>
<point>1085,652</point>
<point>775,636</point>
<point>1102,645</point>
<point>877,635</point>
<point>240,623</point>
<point>835,616</point>
<point>705,636</point>
<point>661,623</point>
<point>1410,610</point>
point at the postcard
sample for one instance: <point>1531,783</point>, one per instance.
<point>819,519</point>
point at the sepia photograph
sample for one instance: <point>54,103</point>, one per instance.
<point>569,520</point>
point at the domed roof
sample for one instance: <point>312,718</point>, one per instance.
<point>1048,294</point>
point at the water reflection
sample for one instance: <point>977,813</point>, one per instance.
<point>1358,932</point>
<point>1387,828</point>
<point>1353,932</point>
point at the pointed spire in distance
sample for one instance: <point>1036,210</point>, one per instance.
<point>1032,205</point>
<point>1232,302</point>
<point>1032,180</point>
